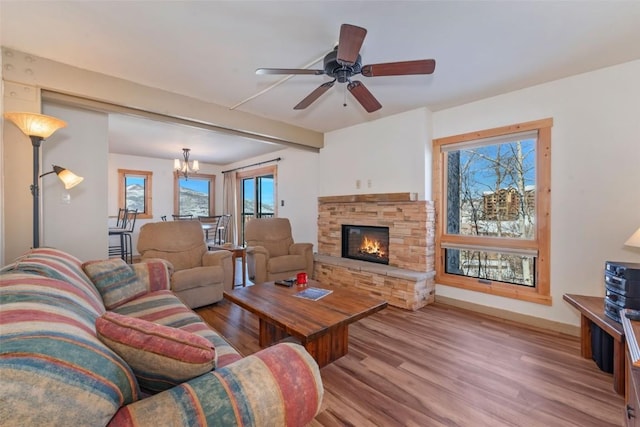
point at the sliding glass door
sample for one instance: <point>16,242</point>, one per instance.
<point>258,195</point>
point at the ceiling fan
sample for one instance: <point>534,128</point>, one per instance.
<point>344,62</point>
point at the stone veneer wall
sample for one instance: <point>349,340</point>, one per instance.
<point>407,281</point>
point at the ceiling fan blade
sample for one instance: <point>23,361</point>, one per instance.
<point>317,93</point>
<point>421,66</point>
<point>289,71</point>
<point>349,44</point>
<point>364,97</point>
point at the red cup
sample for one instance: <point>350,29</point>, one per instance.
<point>301,279</point>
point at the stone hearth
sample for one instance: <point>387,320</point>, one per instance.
<point>408,280</point>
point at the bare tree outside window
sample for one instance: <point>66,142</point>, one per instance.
<point>496,198</point>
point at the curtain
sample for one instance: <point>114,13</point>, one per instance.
<point>230,205</point>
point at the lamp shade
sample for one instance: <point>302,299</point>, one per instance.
<point>32,124</point>
<point>184,166</point>
<point>634,240</point>
<point>69,178</point>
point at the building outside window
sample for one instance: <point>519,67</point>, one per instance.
<point>492,194</point>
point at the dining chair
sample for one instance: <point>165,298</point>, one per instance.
<point>182,217</point>
<point>210,223</point>
<point>223,225</point>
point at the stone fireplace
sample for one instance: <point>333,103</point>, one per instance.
<point>406,280</point>
<point>365,243</point>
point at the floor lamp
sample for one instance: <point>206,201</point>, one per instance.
<point>39,127</point>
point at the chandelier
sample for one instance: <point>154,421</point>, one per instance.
<point>184,167</point>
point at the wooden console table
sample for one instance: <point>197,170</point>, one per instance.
<point>592,312</point>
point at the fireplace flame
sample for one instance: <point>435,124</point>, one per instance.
<point>371,247</point>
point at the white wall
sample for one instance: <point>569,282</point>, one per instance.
<point>595,201</point>
<point>161,185</point>
<point>78,227</point>
<point>393,153</point>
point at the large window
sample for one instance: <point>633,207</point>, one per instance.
<point>194,195</point>
<point>135,191</point>
<point>492,193</point>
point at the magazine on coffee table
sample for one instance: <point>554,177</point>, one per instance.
<point>314,294</point>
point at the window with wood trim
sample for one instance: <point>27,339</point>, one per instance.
<point>194,195</point>
<point>492,194</point>
<point>134,191</point>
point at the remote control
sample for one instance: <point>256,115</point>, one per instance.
<point>284,283</point>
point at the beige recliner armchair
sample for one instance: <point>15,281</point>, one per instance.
<point>198,276</point>
<point>271,252</point>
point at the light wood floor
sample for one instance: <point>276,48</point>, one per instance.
<point>444,366</point>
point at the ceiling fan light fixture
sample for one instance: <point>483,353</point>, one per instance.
<point>343,76</point>
<point>345,62</point>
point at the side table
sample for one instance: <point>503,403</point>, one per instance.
<point>236,252</point>
<point>592,312</point>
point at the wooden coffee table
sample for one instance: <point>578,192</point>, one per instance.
<point>321,326</point>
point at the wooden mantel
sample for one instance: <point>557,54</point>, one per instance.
<point>370,198</point>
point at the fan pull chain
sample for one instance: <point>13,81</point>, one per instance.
<point>344,103</point>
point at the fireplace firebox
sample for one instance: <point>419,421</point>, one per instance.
<point>366,243</point>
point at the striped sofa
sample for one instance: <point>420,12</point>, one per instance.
<point>54,370</point>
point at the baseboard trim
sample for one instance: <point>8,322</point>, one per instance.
<point>536,322</point>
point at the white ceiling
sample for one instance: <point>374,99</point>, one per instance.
<point>210,50</point>
<point>149,138</point>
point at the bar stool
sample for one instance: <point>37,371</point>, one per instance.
<point>117,250</point>
<point>124,232</point>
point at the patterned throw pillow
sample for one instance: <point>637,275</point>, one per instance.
<point>115,280</point>
<point>161,357</point>
<point>154,273</point>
